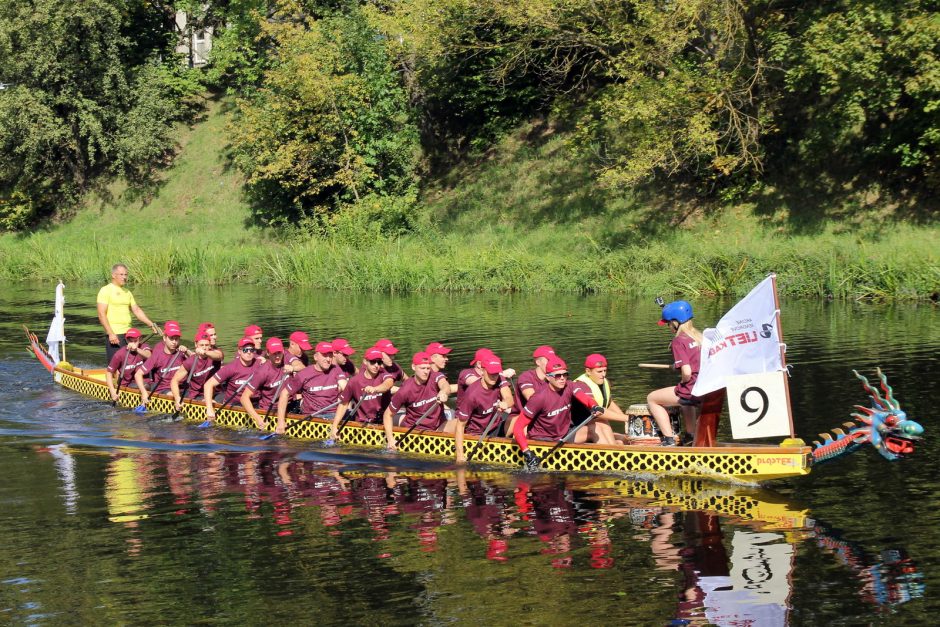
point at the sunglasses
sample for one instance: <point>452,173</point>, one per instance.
<point>558,375</point>
<point>248,349</point>
<point>374,362</point>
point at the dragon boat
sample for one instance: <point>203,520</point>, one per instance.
<point>883,425</point>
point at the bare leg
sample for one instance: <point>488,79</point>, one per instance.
<point>658,401</point>
<point>690,418</point>
<point>601,433</point>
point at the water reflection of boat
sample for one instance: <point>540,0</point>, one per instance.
<point>734,547</point>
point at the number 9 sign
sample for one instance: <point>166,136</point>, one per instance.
<point>757,404</point>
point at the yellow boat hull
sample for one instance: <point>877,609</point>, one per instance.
<point>752,464</point>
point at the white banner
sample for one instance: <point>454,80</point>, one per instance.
<point>746,341</point>
<point>55,339</point>
<point>757,405</point>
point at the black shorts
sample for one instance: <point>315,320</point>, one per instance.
<point>110,348</point>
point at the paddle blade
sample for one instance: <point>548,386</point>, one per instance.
<point>329,442</point>
<point>204,425</point>
<point>140,409</point>
<point>268,436</point>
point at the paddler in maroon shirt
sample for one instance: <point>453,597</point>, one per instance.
<point>216,354</point>
<point>269,378</point>
<point>547,414</point>
<point>163,362</point>
<point>475,372</point>
<point>202,367</point>
<point>530,382</point>
<point>128,357</point>
<point>319,385</point>
<point>296,356</point>
<point>341,353</point>
<point>415,396</point>
<point>438,354</point>
<point>480,402</point>
<point>235,375</point>
<point>388,360</point>
<point>369,389</point>
<point>254,332</point>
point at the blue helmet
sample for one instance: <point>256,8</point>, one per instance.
<point>678,310</point>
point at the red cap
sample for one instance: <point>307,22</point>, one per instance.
<point>595,360</point>
<point>131,333</point>
<point>274,345</point>
<point>373,353</point>
<point>245,341</point>
<point>480,355</point>
<point>203,326</point>
<point>555,365</point>
<point>492,364</point>
<point>341,345</point>
<point>420,358</point>
<point>436,348</point>
<point>386,346</point>
<point>172,328</point>
<point>252,329</point>
<point>324,347</point>
<point>543,351</point>
<point>200,336</point>
<point>300,339</point>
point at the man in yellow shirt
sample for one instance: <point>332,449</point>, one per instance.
<point>115,304</point>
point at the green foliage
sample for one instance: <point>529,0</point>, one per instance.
<point>75,110</point>
<point>457,59</point>
<point>862,83</point>
<point>329,125</point>
<point>238,57</point>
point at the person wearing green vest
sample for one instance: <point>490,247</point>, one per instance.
<point>595,377</point>
<point>115,304</point>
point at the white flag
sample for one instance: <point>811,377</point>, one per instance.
<point>56,336</point>
<point>746,341</point>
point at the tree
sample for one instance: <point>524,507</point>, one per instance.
<point>330,123</point>
<point>75,110</point>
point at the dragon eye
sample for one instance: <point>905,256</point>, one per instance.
<point>891,420</point>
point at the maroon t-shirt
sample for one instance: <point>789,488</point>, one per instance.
<point>686,351</point>
<point>550,411</point>
<point>201,368</point>
<point>133,360</point>
<point>528,380</point>
<point>290,358</point>
<point>234,375</point>
<point>265,383</point>
<point>477,405</point>
<point>372,406</point>
<point>161,367</point>
<point>462,381</point>
<point>415,398</point>
<point>317,389</point>
<point>395,370</point>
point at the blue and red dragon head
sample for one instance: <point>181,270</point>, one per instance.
<point>884,425</point>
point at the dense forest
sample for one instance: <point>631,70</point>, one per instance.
<point>346,107</point>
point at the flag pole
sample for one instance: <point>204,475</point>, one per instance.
<point>783,357</point>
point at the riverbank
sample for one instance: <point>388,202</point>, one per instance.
<point>526,219</point>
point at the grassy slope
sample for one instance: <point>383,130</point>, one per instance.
<point>528,218</point>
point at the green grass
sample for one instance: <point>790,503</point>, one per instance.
<point>528,218</point>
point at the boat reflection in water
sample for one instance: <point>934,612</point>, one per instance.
<point>732,550</point>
